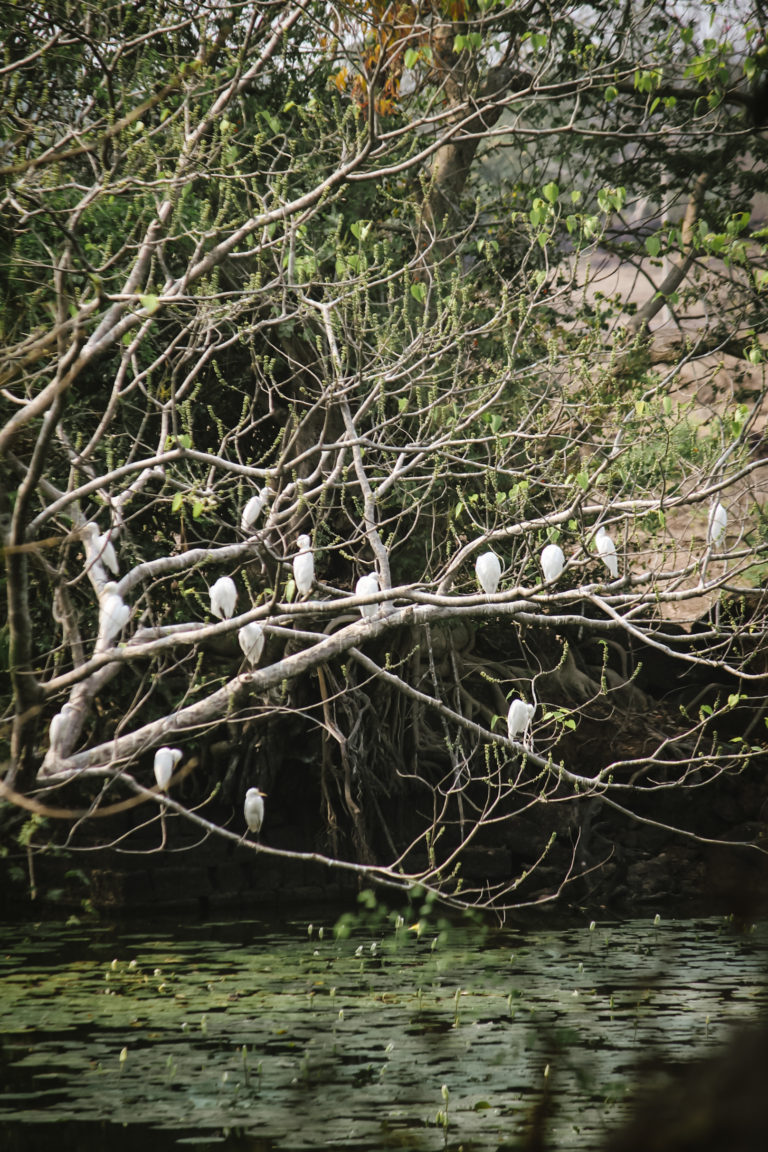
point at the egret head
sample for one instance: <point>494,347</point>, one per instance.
<point>304,543</point>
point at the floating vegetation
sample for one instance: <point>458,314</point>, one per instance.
<point>309,1039</point>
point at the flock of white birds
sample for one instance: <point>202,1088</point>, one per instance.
<point>114,614</point>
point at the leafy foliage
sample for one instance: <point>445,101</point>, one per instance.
<point>402,268</point>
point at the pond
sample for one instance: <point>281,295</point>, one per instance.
<point>419,1035</point>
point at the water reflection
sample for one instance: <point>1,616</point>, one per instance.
<point>235,1036</point>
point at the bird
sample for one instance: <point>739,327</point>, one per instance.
<point>223,597</point>
<point>103,547</point>
<point>607,549</point>
<point>166,760</point>
<point>368,586</point>
<point>488,570</point>
<point>60,724</point>
<point>253,809</point>
<point>519,719</point>
<point>254,507</point>
<point>552,561</point>
<point>114,611</point>
<point>304,566</point>
<point>251,640</point>
<point>717,524</point>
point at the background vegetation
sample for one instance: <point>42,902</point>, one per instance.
<point>445,278</point>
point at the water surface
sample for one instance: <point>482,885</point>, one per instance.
<point>235,1035</point>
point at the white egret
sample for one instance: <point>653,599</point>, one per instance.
<point>254,507</point>
<point>114,611</point>
<point>166,760</point>
<point>223,597</point>
<point>59,725</point>
<point>104,548</point>
<point>488,571</point>
<point>552,562</point>
<point>607,550</point>
<point>717,524</point>
<point>251,640</point>
<point>253,809</point>
<point>519,719</point>
<point>304,566</point>
<point>368,586</point>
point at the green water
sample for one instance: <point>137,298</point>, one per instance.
<point>239,1036</point>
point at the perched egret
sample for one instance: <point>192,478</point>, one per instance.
<point>254,508</point>
<point>368,586</point>
<point>304,566</point>
<point>552,562</point>
<point>166,760</point>
<point>253,809</point>
<point>718,522</point>
<point>519,719</point>
<point>251,640</point>
<point>104,548</point>
<point>607,549</point>
<point>114,611</point>
<point>60,725</point>
<point>488,569</point>
<point>223,597</point>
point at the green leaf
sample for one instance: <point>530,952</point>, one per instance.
<point>150,302</point>
<point>640,407</point>
<point>197,509</point>
<point>418,291</point>
<point>551,192</point>
<point>611,93</point>
<point>178,500</point>
<point>667,405</point>
<point>185,440</point>
<point>582,480</point>
<point>360,229</point>
<point>271,120</point>
<point>496,422</point>
<point>410,57</point>
<point>652,245</point>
